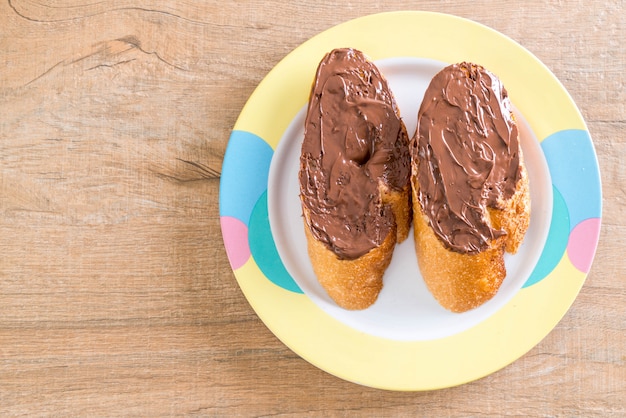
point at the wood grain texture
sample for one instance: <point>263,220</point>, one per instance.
<point>116,296</point>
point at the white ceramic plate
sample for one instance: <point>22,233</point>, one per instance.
<point>405,309</point>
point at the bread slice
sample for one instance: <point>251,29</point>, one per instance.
<point>470,205</point>
<point>354,178</point>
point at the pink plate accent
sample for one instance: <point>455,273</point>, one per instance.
<point>582,243</point>
<point>236,242</point>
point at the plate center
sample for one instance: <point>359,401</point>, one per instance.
<point>405,309</point>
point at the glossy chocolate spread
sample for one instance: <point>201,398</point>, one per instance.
<point>466,151</point>
<point>353,139</point>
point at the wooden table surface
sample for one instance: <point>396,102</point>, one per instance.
<point>116,295</point>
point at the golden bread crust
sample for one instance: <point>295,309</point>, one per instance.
<point>461,282</point>
<point>355,284</point>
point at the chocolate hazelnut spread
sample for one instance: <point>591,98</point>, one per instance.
<point>466,151</point>
<point>353,139</point>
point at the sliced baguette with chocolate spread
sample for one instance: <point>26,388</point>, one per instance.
<point>354,178</point>
<point>471,200</point>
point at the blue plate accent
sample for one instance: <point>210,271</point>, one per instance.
<point>264,250</point>
<point>574,171</point>
<point>245,171</point>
